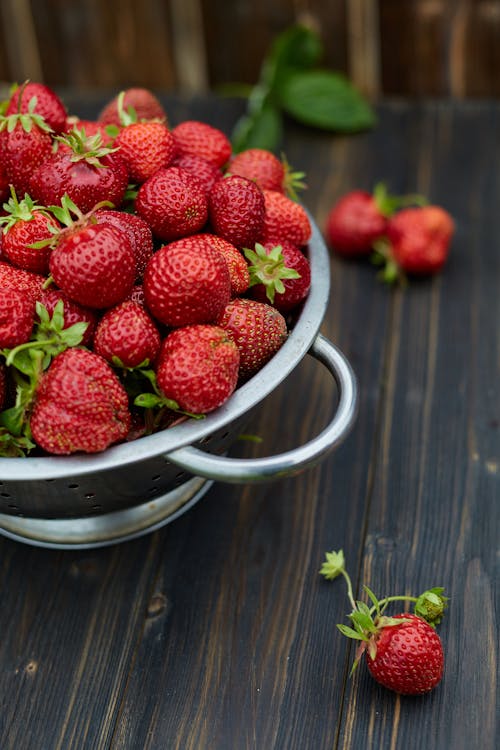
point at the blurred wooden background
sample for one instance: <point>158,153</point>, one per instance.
<point>412,48</point>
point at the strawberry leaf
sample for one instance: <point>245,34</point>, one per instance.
<point>350,633</point>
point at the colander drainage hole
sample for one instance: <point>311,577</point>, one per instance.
<point>13,507</point>
<point>89,495</point>
<point>5,494</point>
<point>73,486</point>
<point>96,507</point>
<point>156,478</point>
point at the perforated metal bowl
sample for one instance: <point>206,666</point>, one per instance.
<point>136,487</point>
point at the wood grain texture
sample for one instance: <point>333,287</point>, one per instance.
<point>217,633</point>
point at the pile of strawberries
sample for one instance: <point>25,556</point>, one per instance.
<point>145,270</point>
<point>404,235</point>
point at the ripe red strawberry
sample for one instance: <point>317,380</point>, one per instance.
<point>237,211</point>
<point>73,313</point>
<point>145,148</point>
<point>90,128</point>
<point>94,265</point>
<point>12,278</point>
<point>17,316</point>
<point>285,219</point>
<point>403,652</point>
<point>127,336</point>
<point>205,172</point>
<point>259,165</point>
<point>25,144</point>
<point>201,139</point>
<point>48,104</point>
<point>198,367</point>
<point>4,182</point>
<point>25,224</point>
<point>87,172</point>
<point>145,104</point>
<point>236,263</point>
<point>80,405</point>
<point>419,239</point>
<point>408,658</point>
<point>137,230</point>
<point>280,274</point>
<point>187,282</point>
<point>173,203</point>
<point>258,330</point>
<point>354,223</point>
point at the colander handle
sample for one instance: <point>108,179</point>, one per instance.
<point>236,470</point>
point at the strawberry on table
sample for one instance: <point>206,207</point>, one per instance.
<point>279,274</point>
<point>47,104</point>
<point>80,405</point>
<point>285,219</point>
<point>200,139</point>
<point>258,330</point>
<point>24,224</point>
<point>186,282</point>
<point>237,210</point>
<point>355,222</point>
<point>173,203</point>
<point>198,367</point>
<point>127,336</point>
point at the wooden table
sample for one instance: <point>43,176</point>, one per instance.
<point>216,632</point>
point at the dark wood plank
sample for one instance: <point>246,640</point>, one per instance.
<point>434,509</point>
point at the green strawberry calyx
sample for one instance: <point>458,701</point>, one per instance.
<point>269,269</point>
<point>293,181</point>
<point>20,210</point>
<point>367,619</point>
<point>83,147</point>
<point>25,119</point>
<point>388,204</point>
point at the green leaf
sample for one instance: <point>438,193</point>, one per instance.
<point>263,128</point>
<point>148,400</point>
<point>350,633</point>
<point>298,47</point>
<point>12,419</point>
<point>325,99</point>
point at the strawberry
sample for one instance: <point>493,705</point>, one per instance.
<point>80,405</point>
<point>173,203</point>
<point>237,211</point>
<point>25,144</point>
<point>186,282</point>
<point>47,104</point>
<point>94,265</point>
<point>144,103</point>
<point>84,169</point>
<point>269,172</point>
<point>137,231</point>
<point>237,266</point>
<point>285,219</point>
<point>72,312</point>
<point>12,278</point>
<point>198,367</point>
<point>90,128</point>
<point>4,182</point>
<point>403,652</point>
<point>258,330</point>
<point>145,148</point>
<point>418,241</point>
<point>206,172</point>
<point>25,224</point>
<point>127,336</point>
<point>201,139</point>
<point>279,274</point>
<point>354,223</point>
<point>17,316</point>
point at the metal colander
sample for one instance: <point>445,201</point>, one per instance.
<point>136,487</point>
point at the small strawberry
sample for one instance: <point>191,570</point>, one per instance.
<point>269,172</point>
<point>92,263</point>
<point>201,139</point>
<point>47,104</point>
<point>12,278</point>
<point>186,282</point>
<point>204,171</point>
<point>403,652</point>
<point>137,230</point>
<point>72,312</point>
<point>145,145</point>
<point>25,144</point>
<point>143,102</point>
<point>84,169</point>
<point>127,336</point>
<point>237,211</point>
<point>360,218</point>
<point>80,405</point>
<point>258,330</point>
<point>285,219</point>
<point>24,225</point>
<point>279,274</point>
<point>173,203</point>
<point>198,367</point>
<point>17,317</point>
<point>418,242</point>
<point>237,266</point>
